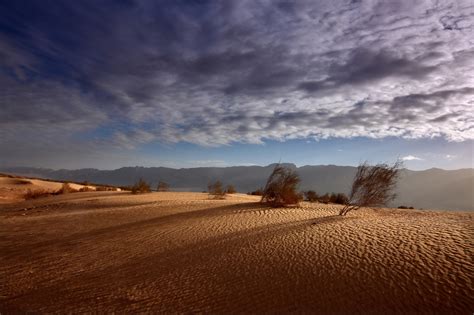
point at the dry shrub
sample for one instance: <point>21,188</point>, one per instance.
<point>23,182</point>
<point>162,186</point>
<point>65,189</point>
<point>37,193</point>
<point>230,189</point>
<point>258,192</point>
<point>140,187</point>
<point>85,189</point>
<point>105,188</point>
<point>325,198</point>
<point>280,190</point>
<point>373,186</point>
<point>216,190</point>
<point>311,196</point>
<point>339,198</point>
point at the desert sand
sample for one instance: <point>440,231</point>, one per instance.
<point>12,189</point>
<point>181,252</point>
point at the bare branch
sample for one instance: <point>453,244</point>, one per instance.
<point>373,186</point>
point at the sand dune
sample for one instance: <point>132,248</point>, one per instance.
<point>13,189</point>
<point>180,252</point>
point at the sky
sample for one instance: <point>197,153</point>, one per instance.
<point>106,84</point>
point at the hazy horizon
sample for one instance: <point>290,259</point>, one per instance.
<point>227,166</point>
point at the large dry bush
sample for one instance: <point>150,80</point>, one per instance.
<point>216,190</point>
<point>373,186</point>
<point>281,187</point>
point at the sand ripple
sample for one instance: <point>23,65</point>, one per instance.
<point>180,252</point>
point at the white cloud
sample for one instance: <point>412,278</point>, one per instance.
<point>411,158</point>
<point>450,157</point>
<point>254,71</point>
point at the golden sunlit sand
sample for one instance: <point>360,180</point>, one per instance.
<point>13,189</point>
<point>181,252</point>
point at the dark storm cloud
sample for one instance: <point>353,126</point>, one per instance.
<point>123,73</point>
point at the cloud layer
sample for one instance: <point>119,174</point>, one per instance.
<point>213,73</point>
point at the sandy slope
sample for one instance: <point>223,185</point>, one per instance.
<point>179,252</point>
<point>13,189</point>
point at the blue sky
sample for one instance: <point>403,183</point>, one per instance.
<point>418,154</point>
<point>106,84</point>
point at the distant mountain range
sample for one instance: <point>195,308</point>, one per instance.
<point>429,189</point>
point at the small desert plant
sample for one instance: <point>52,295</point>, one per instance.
<point>216,190</point>
<point>325,198</point>
<point>339,198</point>
<point>230,189</point>
<point>86,189</point>
<point>257,192</point>
<point>311,196</point>
<point>106,188</point>
<point>65,189</point>
<point>405,207</point>
<point>373,186</point>
<point>140,187</point>
<point>162,186</point>
<point>37,193</point>
<point>23,182</point>
<point>280,189</point>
